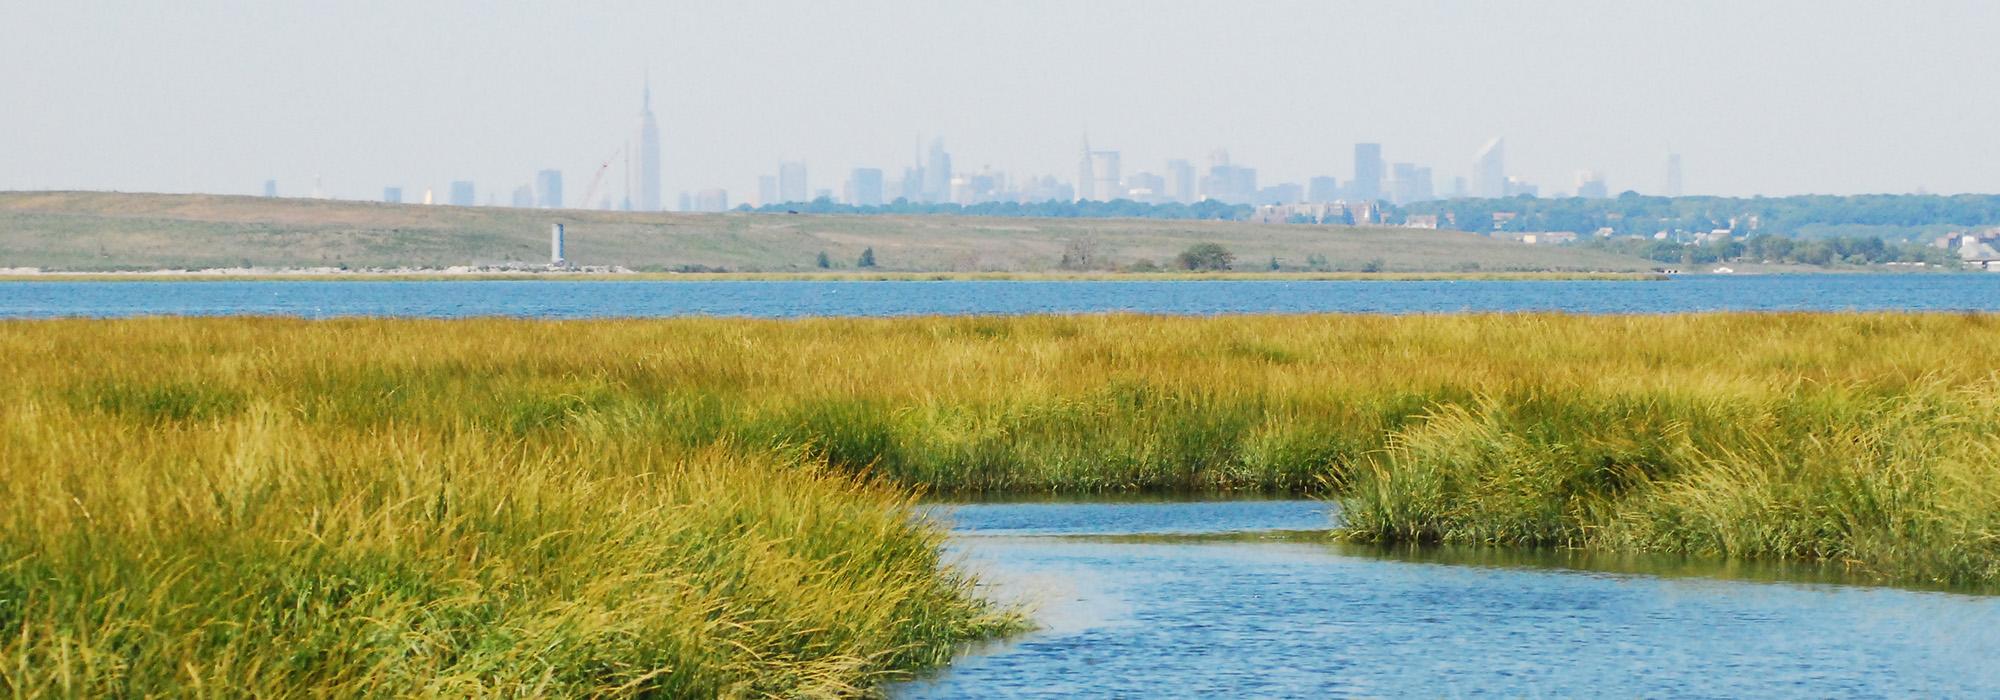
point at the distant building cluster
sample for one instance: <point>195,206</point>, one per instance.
<point>1101,175</point>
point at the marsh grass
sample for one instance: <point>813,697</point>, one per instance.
<point>192,508</point>
<point>718,506</point>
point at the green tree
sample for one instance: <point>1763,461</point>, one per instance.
<point>1205,257</point>
<point>867,258</point>
<point>824,262</point>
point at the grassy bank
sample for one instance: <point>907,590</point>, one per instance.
<point>245,509</point>
<point>109,231</point>
<point>417,506</point>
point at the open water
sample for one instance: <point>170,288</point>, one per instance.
<point>1183,614</point>
<point>598,299</point>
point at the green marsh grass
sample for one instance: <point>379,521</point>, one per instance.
<point>720,506</point>
<point>257,508</point>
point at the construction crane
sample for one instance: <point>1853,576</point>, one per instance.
<point>590,193</point>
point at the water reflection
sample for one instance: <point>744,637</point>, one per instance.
<point>1233,610</point>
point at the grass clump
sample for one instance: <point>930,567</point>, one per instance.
<point>1898,487</point>
<point>295,543</point>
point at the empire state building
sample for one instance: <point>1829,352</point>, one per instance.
<point>644,191</point>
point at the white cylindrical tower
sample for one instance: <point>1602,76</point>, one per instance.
<point>556,245</point>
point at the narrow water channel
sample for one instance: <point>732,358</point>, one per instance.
<point>1232,599</point>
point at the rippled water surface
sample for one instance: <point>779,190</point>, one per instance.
<point>557,299</point>
<point>1194,615</point>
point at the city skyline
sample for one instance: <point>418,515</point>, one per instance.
<point>1101,176</point>
<point>1762,99</point>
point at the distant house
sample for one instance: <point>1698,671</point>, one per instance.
<point>1720,235</point>
<point>1308,212</point>
<point>1547,238</point>
<point>1981,250</point>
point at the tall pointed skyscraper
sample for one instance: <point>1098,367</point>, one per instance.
<point>646,196</point>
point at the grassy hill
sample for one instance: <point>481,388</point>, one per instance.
<point>116,231</point>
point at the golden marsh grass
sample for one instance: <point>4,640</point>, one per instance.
<point>695,506</point>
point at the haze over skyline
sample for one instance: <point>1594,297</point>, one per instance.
<point>1776,98</point>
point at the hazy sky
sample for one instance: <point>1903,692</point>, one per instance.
<point>1759,97</point>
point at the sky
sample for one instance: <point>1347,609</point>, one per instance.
<point>1760,97</point>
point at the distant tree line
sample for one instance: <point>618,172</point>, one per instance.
<point>1895,217</point>
<point>1847,250</point>
<point>1116,209</point>
<point>1900,217</point>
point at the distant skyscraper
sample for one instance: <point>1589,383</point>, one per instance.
<point>1110,183</point>
<point>647,198</point>
<point>1147,187</point>
<point>524,197</point>
<point>767,190</point>
<point>270,188</point>
<point>792,183</point>
<point>392,195</point>
<point>1489,170</point>
<point>1673,188</point>
<point>1410,182</point>
<point>711,200</point>
<point>1367,182</point>
<point>461,194</point>
<point>548,189</point>
<point>1321,190</point>
<point>911,189</point>
<point>1086,176</point>
<point>1180,181</point>
<point>1046,188</point>
<point>975,188</point>
<point>1590,185</point>
<point>937,173</point>
<point>1230,184</point>
<point>864,187</point>
<point>1226,183</point>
